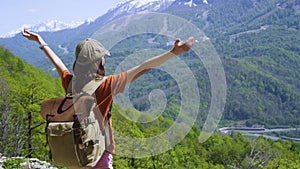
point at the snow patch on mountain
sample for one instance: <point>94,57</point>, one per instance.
<point>192,3</point>
<point>140,3</point>
<point>145,3</point>
<point>136,6</point>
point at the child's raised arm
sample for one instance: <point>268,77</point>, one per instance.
<point>156,61</point>
<point>59,65</point>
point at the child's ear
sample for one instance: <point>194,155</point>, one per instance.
<point>103,61</point>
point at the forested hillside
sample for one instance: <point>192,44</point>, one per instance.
<point>259,44</point>
<point>23,87</point>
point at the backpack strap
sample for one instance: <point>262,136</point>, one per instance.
<point>109,140</point>
<point>89,88</point>
<point>92,86</point>
<point>69,89</point>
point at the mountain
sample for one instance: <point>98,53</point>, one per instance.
<point>69,37</point>
<point>127,7</point>
<point>80,30</point>
<point>70,34</point>
<point>258,42</point>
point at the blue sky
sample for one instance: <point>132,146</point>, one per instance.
<point>16,13</point>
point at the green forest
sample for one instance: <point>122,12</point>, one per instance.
<point>259,45</point>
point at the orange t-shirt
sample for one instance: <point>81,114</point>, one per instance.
<point>113,85</point>
<point>105,93</point>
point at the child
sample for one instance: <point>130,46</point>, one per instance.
<point>89,64</point>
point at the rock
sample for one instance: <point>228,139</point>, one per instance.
<point>32,163</point>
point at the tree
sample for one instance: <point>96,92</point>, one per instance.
<point>5,116</point>
<point>261,152</point>
<point>30,99</point>
<point>12,130</point>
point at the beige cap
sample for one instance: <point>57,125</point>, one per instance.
<point>90,50</point>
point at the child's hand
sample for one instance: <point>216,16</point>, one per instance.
<point>179,49</point>
<point>31,36</point>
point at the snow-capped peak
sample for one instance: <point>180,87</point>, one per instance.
<point>141,3</point>
<point>135,6</point>
<point>54,25</point>
<point>48,26</point>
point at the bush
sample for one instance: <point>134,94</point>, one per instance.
<point>13,163</point>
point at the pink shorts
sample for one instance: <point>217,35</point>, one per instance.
<point>105,161</point>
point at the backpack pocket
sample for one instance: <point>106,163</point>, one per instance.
<point>93,144</point>
<point>61,142</point>
<point>75,147</point>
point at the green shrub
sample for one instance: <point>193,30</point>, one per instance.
<point>13,163</point>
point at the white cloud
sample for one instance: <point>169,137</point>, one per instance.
<point>32,10</point>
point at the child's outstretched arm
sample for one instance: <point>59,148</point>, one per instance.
<point>156,61</point>
<point>59,65</point>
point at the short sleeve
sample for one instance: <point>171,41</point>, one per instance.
<point>65,78</point>
<point>118,83</point>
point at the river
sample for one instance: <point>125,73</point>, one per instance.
<point>256,132</point>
